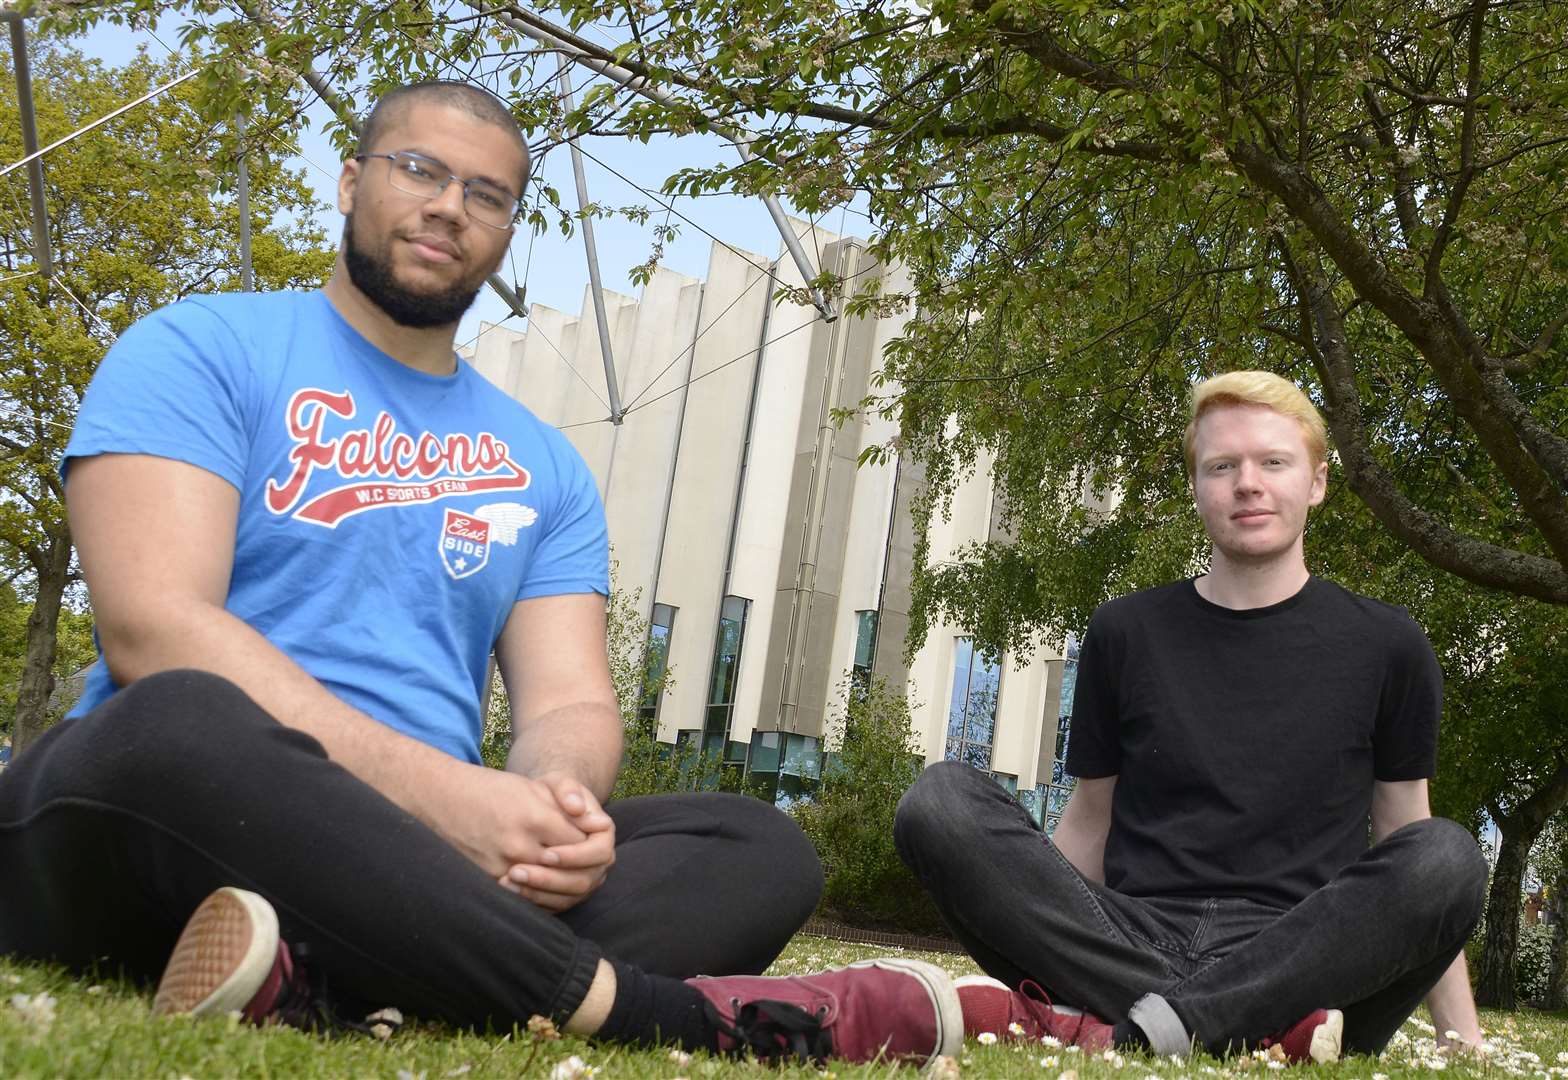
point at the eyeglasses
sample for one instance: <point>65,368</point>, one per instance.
<point>415,174</point>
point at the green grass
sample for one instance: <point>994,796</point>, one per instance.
<point>88,1029</point>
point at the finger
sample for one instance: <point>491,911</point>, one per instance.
<point>597,850</point>
<point>569,794</point>
<point>544,879</point>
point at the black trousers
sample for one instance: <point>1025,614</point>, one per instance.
<point>114,826</point>
<point>1372,941</point>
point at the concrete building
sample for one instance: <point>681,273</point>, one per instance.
<point>769,565</point>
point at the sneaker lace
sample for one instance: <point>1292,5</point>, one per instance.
<point>1050,1019</point>
<point>304,1002</point>
<point>774,1029</point>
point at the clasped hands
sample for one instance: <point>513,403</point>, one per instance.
<point>545,838</point>
<point>575,854</point>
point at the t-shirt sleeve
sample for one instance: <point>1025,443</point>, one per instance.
<point>1094,734</point>
<point>574,556</point>
<point>173,386</point>
<point>1404,746</point>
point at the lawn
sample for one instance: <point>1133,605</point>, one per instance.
<point>54,1026</point>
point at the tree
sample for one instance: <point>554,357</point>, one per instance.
<point>141,213</point>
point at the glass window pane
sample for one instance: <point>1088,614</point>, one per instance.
<point>865,637</point>
<point>978,756</point>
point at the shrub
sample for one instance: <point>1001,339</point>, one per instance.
<point>850,820</point>
<point>1533,967</point>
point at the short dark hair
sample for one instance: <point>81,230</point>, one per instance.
<point>476,101</point>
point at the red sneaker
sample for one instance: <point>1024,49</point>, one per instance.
<point>1316,1037</point>
<point>229,958</point>
<point>1027,1013</point>
<point>870,1010</point>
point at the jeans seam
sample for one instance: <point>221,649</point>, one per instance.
<point>1083,886</point>
<point>1195,946</point>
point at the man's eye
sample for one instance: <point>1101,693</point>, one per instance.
<point>416,169</point>
<point>490,200</point>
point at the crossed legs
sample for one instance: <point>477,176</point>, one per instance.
<point>1222,972</point>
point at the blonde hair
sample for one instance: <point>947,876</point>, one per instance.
<point>1261,388</point>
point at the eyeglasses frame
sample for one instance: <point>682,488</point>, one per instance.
<point>517,202</point>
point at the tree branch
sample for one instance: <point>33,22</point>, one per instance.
<point>1404,187</point>
<point>1467,169</point>
<point>1528,457</point>
<point>1461,555</point>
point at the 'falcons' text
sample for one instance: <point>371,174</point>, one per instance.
<point>459,464</point>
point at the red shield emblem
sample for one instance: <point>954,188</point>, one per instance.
<point>465,544</point>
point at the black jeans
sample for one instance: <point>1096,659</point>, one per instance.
<point>1371,942</point>
<point>114,826</point>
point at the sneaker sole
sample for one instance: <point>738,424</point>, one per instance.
<point>1328,1038</point>
<point>939,987</point>
<point>223,956</point>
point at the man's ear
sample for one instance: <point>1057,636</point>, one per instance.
<point>1319,484</point>
<point>348,180</point>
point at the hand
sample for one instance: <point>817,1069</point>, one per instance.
<point>566,874</point>
<point>500,819</point>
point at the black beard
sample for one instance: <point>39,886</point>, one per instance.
<point>371,273</point>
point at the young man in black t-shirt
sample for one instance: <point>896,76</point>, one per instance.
<point>1234,736</point>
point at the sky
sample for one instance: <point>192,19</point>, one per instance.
<point>554,268</point>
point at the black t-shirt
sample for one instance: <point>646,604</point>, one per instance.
<point>1246,742</point>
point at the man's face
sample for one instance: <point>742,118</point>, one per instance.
<point>1254,480</point>
<point>423,261</point>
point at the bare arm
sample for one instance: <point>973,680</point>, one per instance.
<point>1395,805</point>
<point>566,732</point>
<point>1086,822</point>
<point>565,720</point>
<point>159,604</point>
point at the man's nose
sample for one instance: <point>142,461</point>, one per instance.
<point>448,202</point>
<point>1248,477</point>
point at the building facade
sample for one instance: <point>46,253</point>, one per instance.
<point>770,564</point>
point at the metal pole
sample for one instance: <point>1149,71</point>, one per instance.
<point>606,352</point>
<point>548,34</point>
<point>247,278</point>
<point>35,167</point>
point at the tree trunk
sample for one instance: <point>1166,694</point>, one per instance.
<point>37,682</point>
<point>1494,984</point>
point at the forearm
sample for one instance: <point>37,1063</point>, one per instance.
<point>201,635</point>
<point>1085,852</point>
<point>581,740</point>
<point>1453,1006</point>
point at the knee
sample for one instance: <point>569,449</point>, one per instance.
<point>931,812</point>
<point>181,723</point>
<point>1444,871</point>
<point>794,872</point>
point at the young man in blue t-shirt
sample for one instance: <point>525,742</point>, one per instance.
<point>1234,736</point>
<point>306,524</point>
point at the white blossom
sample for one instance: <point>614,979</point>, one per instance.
<point>573,1068</point>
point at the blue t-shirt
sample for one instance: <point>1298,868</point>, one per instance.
<point>389,519</point>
